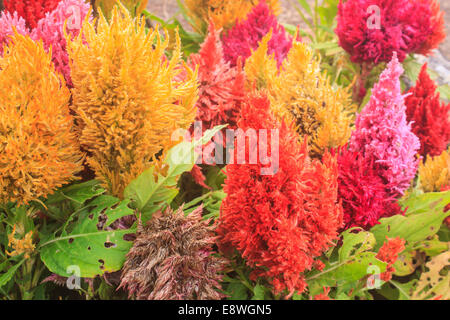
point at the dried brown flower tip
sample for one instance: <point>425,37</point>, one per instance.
<point>172,259</point>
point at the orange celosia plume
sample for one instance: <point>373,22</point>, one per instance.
<point>128,96</point>
<point>39,151</point>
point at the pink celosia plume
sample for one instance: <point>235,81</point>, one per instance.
<point>9,22</point>
<point>383,134</point>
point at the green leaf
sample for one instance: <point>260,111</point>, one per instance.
<point>258,292</point>
<point>77,193</point>
<point>82,244</point>
<point>355,243</point>
<point>426,202</point>
<point>237,291</point>
<point>413,227</point>
<point>4,278</point>
<point>150,192</point>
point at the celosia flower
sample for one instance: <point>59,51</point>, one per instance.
<point>430,118</point>
<point>365,197</point>
<point>39,151</point>
<point>301,93</point>
<point>383,135</point>
<point>20,246</point>
<point>245,36</point>
<point>31,10</point>
<point>388,253</point>
<point>224,14</point>
<point>281,222</point>
<point>172,259</point>
<point>51,30</point>
<point>9,22</point>
<point>405,26</point>
<point>434,175</point>
<point>324,295</point>
<point>221,89</point>
<point>127,96</point>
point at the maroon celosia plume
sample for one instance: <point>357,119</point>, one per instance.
<point>429,117</point>
<point>171,259</point>
<point>280,222</point>
<point>245,36</point>
<point>406,26</point>
<point>31,10</point>
<point>365,197</point>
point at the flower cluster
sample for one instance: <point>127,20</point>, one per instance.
<point>430,118</point>
<point>39,151</point>
<point>372,30</point>
<point>224,14</point>
<point>69,13</point>
<point>20,246</point>
<point>434,174</point>
<point>300,92</point>
<point>388,253</point>
<point>383,134</point>
<point>280,223</point>
<point>245,36</point>
<point>31,10</point>
<point>172,259</point>
<point>8,23</point>
<point>127,95</point>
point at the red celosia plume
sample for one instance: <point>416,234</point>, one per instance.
<point>281,222</point>
<point>31,10</point>
<point>430,118</point>
<point>388,253</point>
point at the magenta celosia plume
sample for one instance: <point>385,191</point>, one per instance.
<point>406,26</point>
<point>429,117</point>
<point>51,30</point>
<point>9,22</point>
<point>31,10</point>
<point>364,194</point>
<point>383,134</point>
<point>245,36</point>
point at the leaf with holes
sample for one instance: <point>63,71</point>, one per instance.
<point>88,241</point>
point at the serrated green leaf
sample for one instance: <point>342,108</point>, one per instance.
<point>86,247</point>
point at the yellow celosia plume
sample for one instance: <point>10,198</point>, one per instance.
<point>224,14</point>
<point>20,246</point>
<point>135,7</point>
<point>128,96</point>
<point>39,151</point>
<point>434,174</point>
<point>299,92</point>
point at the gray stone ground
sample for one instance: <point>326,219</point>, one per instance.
<point>440,61</point>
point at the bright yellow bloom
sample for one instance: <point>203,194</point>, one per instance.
<point>20,246</point>
<point>128,96</point>
<point>435,173</point>
<point>224,13</point>
<point>299,92</point>
<point>39,151</point>
<point>135,7</point>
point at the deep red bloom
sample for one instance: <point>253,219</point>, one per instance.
<point>281,222</point>
<point>31,10</point>
<point>406,26</point>
<point>388,253</point>
<point>430,118</point>
<point>365,197</point>
<point>245,36</point>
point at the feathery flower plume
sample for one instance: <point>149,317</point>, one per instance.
<point>224,14</point>
<point>127,95</point>
<point>20,246</point>
<point>9,22</point>
<point>31,10</point>
<point>304,95</point>
<point>39,150</point>
<point>388,253</point>
<point>279,223</point>
<point>245,36</point>
<point>221,89</point>
<point>383,135</point>
<point>50,29</point>
<point>172,259</point>
<point>324,295</point>
<point>405,26</point>
<point>430,118</point>
<point>434,174</point>
<point>365,198</point>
